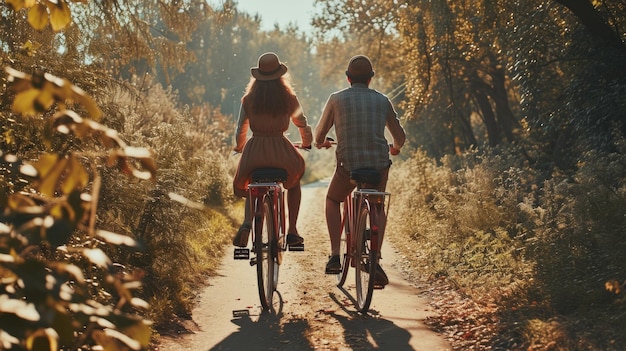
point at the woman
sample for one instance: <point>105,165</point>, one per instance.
<point>267,106</point>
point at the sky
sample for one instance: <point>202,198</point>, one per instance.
<point>299,12</point>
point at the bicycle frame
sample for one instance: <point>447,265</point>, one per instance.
<point>374,205</point>
<point>274,190</point>
<point>378,200</point>
<point>353,203</point>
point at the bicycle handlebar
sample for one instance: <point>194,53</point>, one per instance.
<point>392,150</point>
<point>297,145</point>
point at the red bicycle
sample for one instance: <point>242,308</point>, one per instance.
<point>269,237</point>
<point>364,220</point>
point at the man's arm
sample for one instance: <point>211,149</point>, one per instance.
<point>323,126</point>
<point>395,128</point>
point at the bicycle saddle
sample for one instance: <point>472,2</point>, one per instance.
<point>366,176</point>
<point>267,175</point>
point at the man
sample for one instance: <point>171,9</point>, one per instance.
<point>359,115</point>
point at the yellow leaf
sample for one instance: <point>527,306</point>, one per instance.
<point>50,168</point>
<point>88,103</point>
<point>19,201</point>
<point>63,211</point>
<point>29,48</point>
<point>140,331</point>
<point>76,177</point>
<point>8,137</point>
<point>60,15</point>
<point>45,164</point>
<point>38,16</point>
<point>44,100</point>
<point>24,102</point>
<point>43,339</point>
<point>17,5</point>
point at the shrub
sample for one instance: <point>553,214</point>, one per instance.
<point>179,238</point>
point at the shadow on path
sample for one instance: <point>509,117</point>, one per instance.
<point>267,332</point>
<point>369,331</point>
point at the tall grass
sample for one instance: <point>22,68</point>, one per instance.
<point>549,253</point>
<point>181,242</point>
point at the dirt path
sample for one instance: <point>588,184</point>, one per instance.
<point>313,314</point>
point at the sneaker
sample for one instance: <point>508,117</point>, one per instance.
<point>334,265</point>
<point>294,239</point>
<point>380,278</point>
<point>241,238</point>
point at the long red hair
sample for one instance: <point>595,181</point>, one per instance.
<point>275,97</point>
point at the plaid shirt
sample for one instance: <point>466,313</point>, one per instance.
<point>360,116</point>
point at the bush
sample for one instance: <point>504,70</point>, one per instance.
<point>464,226</point>
<point>548,253</point>
<point>180,238</point>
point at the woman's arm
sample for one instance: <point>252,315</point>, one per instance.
<point>241,133</point>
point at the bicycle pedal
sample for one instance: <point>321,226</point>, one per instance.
<point>297,247</point>
<point>379,286</point>
<point>241,313</point>
<point>241,254</point>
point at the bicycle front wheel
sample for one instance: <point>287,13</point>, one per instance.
<point>343,249</point>
<point>265,249</point>
<point>365,261</point>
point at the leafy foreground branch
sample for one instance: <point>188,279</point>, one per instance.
<point>59,288</point>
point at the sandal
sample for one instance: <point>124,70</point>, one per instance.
<point>294,239</point>
<point>241,238</point>
<point>334,265</point>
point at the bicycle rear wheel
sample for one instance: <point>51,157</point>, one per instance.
<point>365,261</point>
<point>265,249</point>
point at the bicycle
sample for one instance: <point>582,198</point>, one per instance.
<point>269,237</point>
<point>364,219</point>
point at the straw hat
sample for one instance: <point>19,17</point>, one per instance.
<point>360,66</point>
<point>269,67</point>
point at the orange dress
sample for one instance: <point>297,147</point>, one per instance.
<point>268,146</point>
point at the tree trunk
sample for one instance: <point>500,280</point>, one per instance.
<point>489,118</point>
<point>593,21</point>
<point>506,120</point>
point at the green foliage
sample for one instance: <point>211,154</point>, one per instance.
<point>179,238</point>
